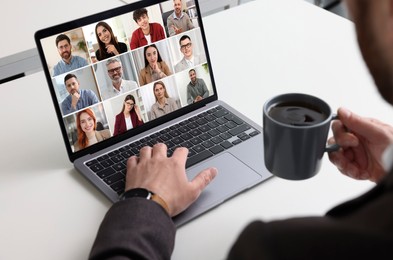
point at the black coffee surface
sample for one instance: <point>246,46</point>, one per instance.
<point>297,114</point>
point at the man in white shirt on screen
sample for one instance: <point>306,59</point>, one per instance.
<point>119,85</point>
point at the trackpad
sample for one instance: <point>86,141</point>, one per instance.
<point>233,177</point>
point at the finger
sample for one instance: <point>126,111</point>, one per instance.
<point>356,123</point>
<point>342,136</point>
<point>145,153</point>
<point>160,150</point>
<point>132,162</point>
<point>203,179</point>
<point>180,154</point>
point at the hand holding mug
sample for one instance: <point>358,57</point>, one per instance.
<point>362,141</point>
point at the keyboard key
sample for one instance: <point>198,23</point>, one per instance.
<point>204,128</point>
<point>237,130</point>
<point>221,113</point>
<point>214,132</point>
<point>177,140</point>
<point>192,125</point>
<point>198,158</point>
<point>237,141</point>
<point>90,163</point>
<point>119,166</point>
<point>187,144</point>
<point>196,140</point>
<point>213,124</point>
<point>96,167</point>
<point>118,187</point>
<point>184,129</point>
<point>222,129</point>
<point>107,163</point>
<point>204,137</point>
<point>186,136</point>
<point>103,157</point>
<point>254,133</point>
<point>216,149</point>
<point>216,140</point>
<point>202,121</point>
<point>221,121</point>
<point>231,124</point>
<point>208,144</point>
<point>195,132</point>
<point>198,148</point>
<point>114,178</point>
<point>106,172</point>
<point>225,136</point>
<point>226,145</point>
<point>235,119</point>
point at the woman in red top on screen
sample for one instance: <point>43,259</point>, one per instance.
<point>129,117</point>
<point>147,33</point>
<point>107,42</point>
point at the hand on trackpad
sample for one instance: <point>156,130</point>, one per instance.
<point>233,177</point>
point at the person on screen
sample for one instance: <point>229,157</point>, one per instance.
<point>129,117</point>
<point>189,59</point>
<point>164,104</point>
<point>86,125</point>
<point>147,33</point>
<point>77,98</point>
<point>358,229</point>
<point>155,68</point>
<point>119,85</point>
<point>178,21</point>
<point>196,89</point>
<point>68,61</point>
<point>107,42</point>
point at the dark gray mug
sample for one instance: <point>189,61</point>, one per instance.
<point>295,130</point>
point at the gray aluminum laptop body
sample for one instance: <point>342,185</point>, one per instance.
<point>240,167</point>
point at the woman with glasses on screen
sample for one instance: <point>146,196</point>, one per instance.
<point>86,125</point>
<point>155,68</point>
<point>107,42</point>
<point>129,117</point>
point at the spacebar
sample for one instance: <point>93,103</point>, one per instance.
<point>198,157</point>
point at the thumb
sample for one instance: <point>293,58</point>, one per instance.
<point>200,182</point>
<point>356,123</point>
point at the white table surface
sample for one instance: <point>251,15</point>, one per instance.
<point>48,211</point>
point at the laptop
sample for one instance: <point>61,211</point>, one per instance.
<point>116,90</point>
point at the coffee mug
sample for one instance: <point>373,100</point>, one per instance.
<point>295,131</point>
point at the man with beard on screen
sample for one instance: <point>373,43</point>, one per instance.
<point>67,62</point>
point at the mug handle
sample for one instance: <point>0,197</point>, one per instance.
<point>332,147</point>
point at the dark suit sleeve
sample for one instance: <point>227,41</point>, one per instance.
<point>358,229</point>
<point>135,228</point>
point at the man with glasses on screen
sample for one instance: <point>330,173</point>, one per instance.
<point>189,59</point>
<point>119,85</point>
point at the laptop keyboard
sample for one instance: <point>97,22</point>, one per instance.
<point>205,135</point>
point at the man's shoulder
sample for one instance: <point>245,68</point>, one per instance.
<point>185,15</point>
<point>129,84</point>
<point>156,25</point>
<point>170,17</point>
<point>79,59</point>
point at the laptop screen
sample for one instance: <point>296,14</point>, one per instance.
<point>115,74</point>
